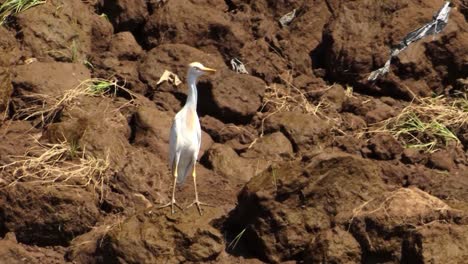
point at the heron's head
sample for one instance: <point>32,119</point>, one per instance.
<point>197,69</point>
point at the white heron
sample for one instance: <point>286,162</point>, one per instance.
<point>185,138</point>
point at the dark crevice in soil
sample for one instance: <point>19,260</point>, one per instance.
<point>240,242</point>
<point>112,10</point>
<point>3,229</point>
<point>141,39</point>
<point>133,128</point>
<point>317,56</point>
<point>49,236</point>
<point>107,207</point>
<point>409,254</point>
<point>231,5</point>
<point>377,257</point>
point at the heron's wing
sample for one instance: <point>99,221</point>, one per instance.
<point>198,136</point>
<point>173,143</point>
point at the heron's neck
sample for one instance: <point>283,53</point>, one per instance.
<point>192,92</point>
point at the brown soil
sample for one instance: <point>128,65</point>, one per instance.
<point>291,159</point>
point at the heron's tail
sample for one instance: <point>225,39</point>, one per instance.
<point>183,169</point>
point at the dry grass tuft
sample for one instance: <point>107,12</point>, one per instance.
<point>46,108</point>
<point>428,123</point>
<point>286,99</point>
<point>63,164</point>
<point>423,202</point>
<point>11,7</point>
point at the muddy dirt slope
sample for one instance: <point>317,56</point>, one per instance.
<point>303,160</point>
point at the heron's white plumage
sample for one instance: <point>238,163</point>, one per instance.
<point>185,142</point>
<point>185,137</point>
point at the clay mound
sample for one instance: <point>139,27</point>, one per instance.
<point>388,227</point>
<point>198,24</point>
<point>286,206</point>
<point>16,253</point>
<point>358,39</point>
<point>298,137</point>
<point>125,15</point>
<point>335,208</point>
<point>82,32</point>
<point>64,213</point>
<point>158,237</point>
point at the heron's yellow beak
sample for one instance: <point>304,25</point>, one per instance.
<point>208,70</point>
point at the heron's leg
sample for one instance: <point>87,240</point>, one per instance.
<point>196,201</point>
<point>173,201</point>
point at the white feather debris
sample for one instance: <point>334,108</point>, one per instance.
<point>288,18</point>
<point>238,66</point>
<point>438,23</point>
<point>170,77</point>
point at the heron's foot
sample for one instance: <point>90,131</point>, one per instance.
<point>171,204</point>
<point>199,204</point>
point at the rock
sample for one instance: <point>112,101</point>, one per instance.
<point>126,15</point>
<point>305,131</point>
<point>232,98</point>
<point>385,147</point>
<point>58,214</point>
<point>125,47</point>
<point>154,238</point>
<point>334,246</point>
